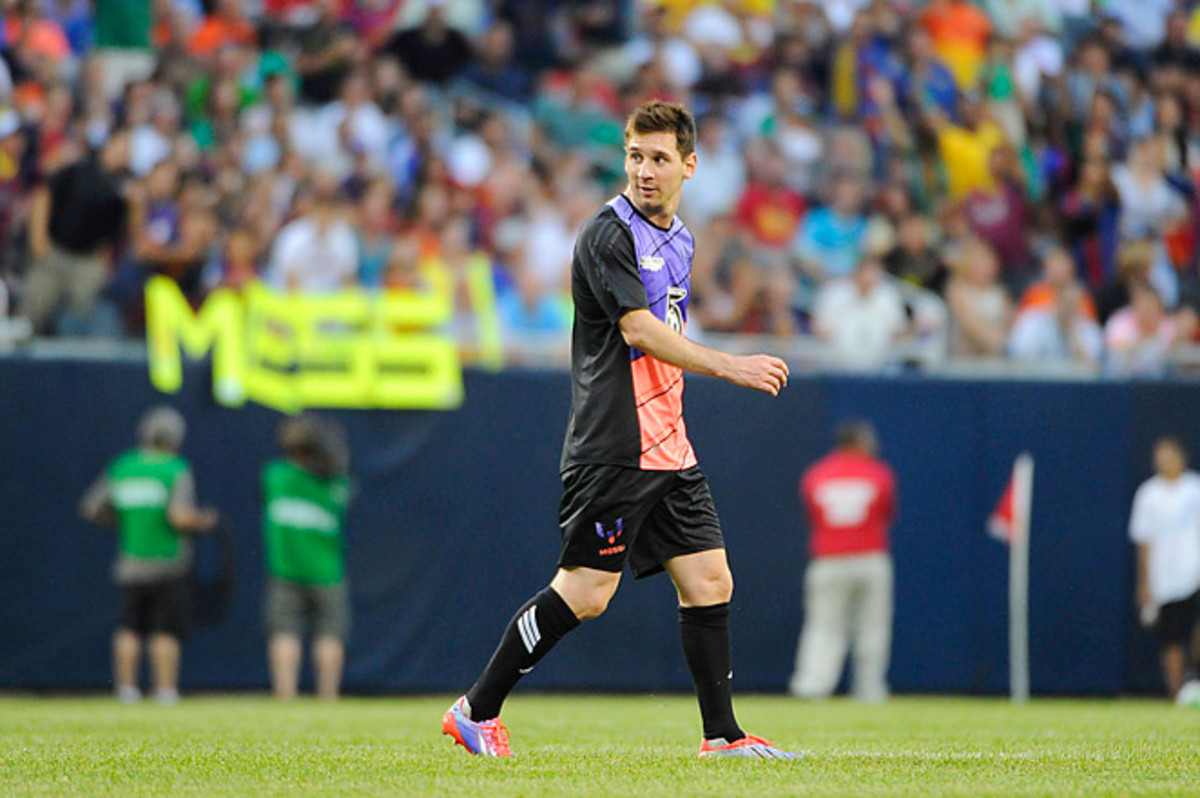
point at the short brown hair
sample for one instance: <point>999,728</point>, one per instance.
<point>657,116</point>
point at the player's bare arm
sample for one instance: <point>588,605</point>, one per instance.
<point>642,330</point>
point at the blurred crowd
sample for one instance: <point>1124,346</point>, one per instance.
<point>998,178</point>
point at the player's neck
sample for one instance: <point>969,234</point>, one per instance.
<point>661,217</point>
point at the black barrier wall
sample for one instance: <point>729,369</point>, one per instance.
<point>455,525</point>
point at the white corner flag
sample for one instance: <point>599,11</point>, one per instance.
<point>1009,523</point>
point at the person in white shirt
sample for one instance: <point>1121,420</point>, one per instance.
<point>1165,525</point>
<point>860,316</point>
<point>1061,333</point>
<point>316,252</point>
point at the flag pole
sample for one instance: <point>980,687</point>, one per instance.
<point>1018,580</point>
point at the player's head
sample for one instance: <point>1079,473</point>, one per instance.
<point>660,153</point>
<point>856,434</point>
<point>657,116</point>
<point>1170,456</point>
<point>161,427</point>
<point>315,444</point>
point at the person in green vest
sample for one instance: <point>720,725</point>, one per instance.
<point>305,494</point>
<point>148,493</point>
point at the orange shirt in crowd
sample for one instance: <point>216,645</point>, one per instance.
<point>44,37</point>
<point>1045,295</point>
<point>960,33</point>
<point>215,32</point>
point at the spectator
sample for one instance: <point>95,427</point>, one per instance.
<point>715,189</point>
<point>655,39</point>
<point>173,228</point>
<point>328,51</point>
<point>1010,16</point>
<point>494,68</point>
<point>122,39</point>
<point>966,148</point>
<point>860,316</point>
<point>148,494</point>
<point>14,182</point>
<point>960,32</point>
<point>1090,214</point>
<point>376,232</point>
<point>1092,75</point>
<point>1143,21</point>
<point>1165,526</point>
<point>317,251</point>
<point>790,126</point>
<point>74,221</point>
<point>577,117</point>
<point>913,259</point>
<point>1000,216</point>
<point>1058,273</point>
<point>1062,333</point>
<point>433,51</point>
<point>1138,336</point>
<point>768,212</point>
<point>226,25</point>
<point>979,305</point>
<point>1149,204</point>
<point>927,83</point>
<point>830,241</point>
<point>305,495</point>
<point>238,261</point>
<point>850,499</point>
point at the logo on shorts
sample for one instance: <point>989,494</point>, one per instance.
<point>610,536</point>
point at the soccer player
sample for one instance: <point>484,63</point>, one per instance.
<point>632,489</point>
<point>147,492</point>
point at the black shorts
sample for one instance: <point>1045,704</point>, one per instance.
<point>1177,619</point>
<point>611,515</point>
<point>157,608</point>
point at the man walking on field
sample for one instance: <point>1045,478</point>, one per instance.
<point>632,490</point>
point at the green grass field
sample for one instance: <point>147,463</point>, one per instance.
<point>603,745</point>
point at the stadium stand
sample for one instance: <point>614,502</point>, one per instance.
<point>905,131</point>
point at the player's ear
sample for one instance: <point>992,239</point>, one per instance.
<point>689,165</point>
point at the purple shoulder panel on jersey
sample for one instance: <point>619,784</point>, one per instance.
<point>664,263</point>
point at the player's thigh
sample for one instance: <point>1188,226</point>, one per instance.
<point>684,521</point>
<point>829,588</point>
<point>331,611</point>
<point>284,609</point>
<point>602,512</point>
<point>1176,620</point>
<point>171,608</point>
<point>135,609</point>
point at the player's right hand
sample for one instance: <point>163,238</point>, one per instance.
<point>208,518</point>
<point>761,372</point>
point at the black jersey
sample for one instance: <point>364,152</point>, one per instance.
<point>627,406</point>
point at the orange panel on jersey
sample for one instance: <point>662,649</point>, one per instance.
<point>658,394</point>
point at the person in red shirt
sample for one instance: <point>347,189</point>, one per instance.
<point>850,499</point>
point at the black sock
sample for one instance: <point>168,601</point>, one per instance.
<point>705,633</point>
<point>538,625</point>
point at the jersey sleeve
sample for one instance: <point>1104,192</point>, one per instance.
<point>97,500</point>
<point>1139,519</point>
<point>890,505</point>
<point>183,491</point>
<point>606,260</point>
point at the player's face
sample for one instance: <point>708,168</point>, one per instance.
<point>1169,461</point>
<point>656,172</point>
